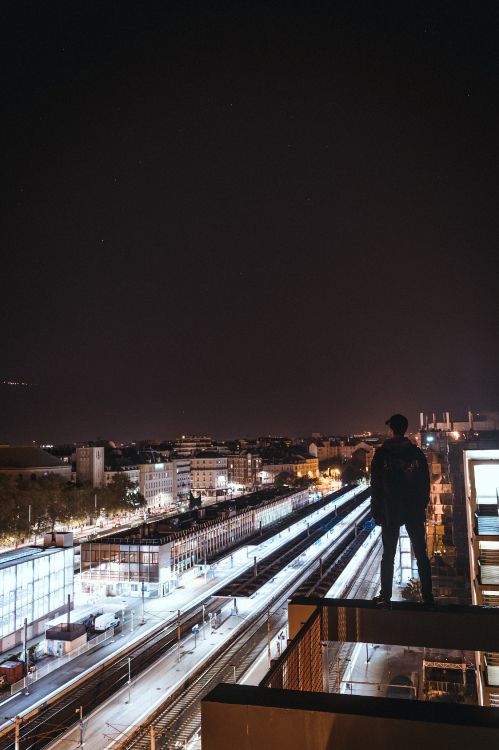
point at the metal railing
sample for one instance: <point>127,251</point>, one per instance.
<point>301,665</point>
<point>59,661</point>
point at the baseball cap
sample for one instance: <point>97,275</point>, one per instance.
<point>398,423</point>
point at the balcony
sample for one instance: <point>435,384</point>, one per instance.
<point>487,524</point>
<point>294,708</point>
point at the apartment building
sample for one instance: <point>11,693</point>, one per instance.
<point>209,471</point>
<point>481,481</point>
<point>300,466</point>
<point>188,445</point>
<point>156,485</point>
<point>244,471</point>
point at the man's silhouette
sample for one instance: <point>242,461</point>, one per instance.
<point>400,491</point>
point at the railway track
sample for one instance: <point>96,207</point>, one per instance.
<point>330,567</point>
<point>42,725</point>
<point>360,588</point>
<point>247,583</point>
<point>179,717</point>
<point>282,523</point>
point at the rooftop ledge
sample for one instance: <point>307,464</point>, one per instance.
<point>463,627</point>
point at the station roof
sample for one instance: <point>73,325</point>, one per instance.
<point>24,554</point>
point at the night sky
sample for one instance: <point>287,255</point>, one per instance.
<point>243,218</point>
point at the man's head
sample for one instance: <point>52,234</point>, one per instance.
<point>398,424</point>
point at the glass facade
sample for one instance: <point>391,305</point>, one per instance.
<point>33,583</point>
<point>120,562</point>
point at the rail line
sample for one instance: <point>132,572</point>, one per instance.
<point>248,582</point>
<point>44,723</point>
<point>179,717</point>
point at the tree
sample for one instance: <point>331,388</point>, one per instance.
<point>50,500</point>
<point>11,516</point>
<point>284,479</point>
<point>120,496</point>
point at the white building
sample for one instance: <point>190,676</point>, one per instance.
<point>90,466</point>
<point>156,484</point>
<point>209,472</point>
<point>35,583</point>
<point>132,473</point>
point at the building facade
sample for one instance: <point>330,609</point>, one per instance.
<point>209,472</point>
<point>155,559</point>
<point>156,485</point>
<point>447,523</point>
<point>35,583</point>
<point>243,471</point>
<point>481,480</point>
<point>187,445</point>
<point>90,465</point>
<point>182,482</point>
<point>300,467</point>
<point>132,473</point>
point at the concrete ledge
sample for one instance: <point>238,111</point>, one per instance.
<point>252,718</point>
<point>469,628</point>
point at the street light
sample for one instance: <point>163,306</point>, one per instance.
<point>195,630</point>
<point>129,676</point>
<point>80,711</point>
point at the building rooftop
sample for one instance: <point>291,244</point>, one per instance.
<point>15,557</point>
<point>208,454</point>
<point>24,457</point>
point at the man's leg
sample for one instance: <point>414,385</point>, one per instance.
<point>416,531</point>
<point>389,537</point>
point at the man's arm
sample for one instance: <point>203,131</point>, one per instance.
<point>377,497</point>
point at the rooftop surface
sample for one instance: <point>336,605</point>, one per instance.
<point>15,557</point>
<point>24,457</point>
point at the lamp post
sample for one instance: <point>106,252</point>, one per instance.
<point>129,676</point>
<point>178,635</point>
<point>195,630</point>
<point>80,711</point>
<point>25,649</point>
<point>143,618</point>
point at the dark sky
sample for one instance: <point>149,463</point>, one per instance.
<point>246,218</point>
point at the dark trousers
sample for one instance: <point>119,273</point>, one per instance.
<point>389,536</point>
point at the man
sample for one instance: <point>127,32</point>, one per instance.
<point>400,491</point>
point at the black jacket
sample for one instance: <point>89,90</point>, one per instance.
<point>400,482</point>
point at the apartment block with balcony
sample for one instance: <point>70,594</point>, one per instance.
<point>481,477</point>
<point>188,445</point>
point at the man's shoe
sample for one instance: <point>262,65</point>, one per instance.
<point>381,601</point>
<point>429,600</point>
